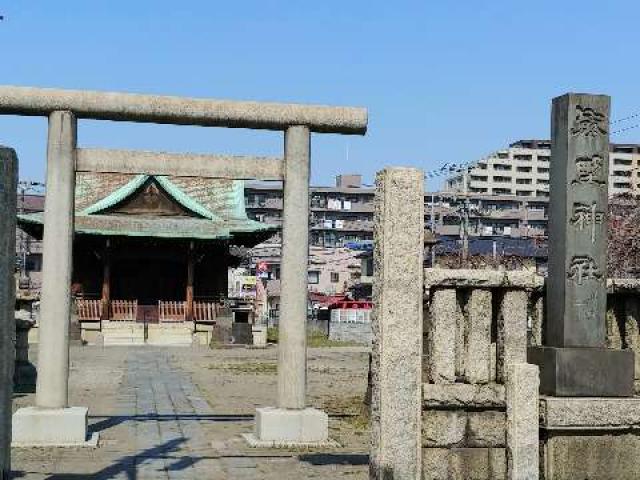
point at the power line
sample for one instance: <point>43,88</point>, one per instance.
<point>625,129</point>
<point>624,119</point>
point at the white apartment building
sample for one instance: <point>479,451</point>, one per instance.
<point>523,170</point>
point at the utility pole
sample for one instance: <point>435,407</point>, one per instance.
<point>433,229</point>
<point>465,214</point>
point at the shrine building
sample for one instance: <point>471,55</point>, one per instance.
<point>152,249</point>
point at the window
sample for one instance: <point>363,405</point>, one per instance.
<point>335,277</point>
<point>536,207</point>
<point>523,181</point>
<point>314,277</point>
<point>543,170</point>
<point>623,149</point>
<point>524,169</point>
<point>256,199</point>
<point>621,185</point>
<point>501,167</point>
<point>526,158</point>
<point>524,193</point>
<point>500,179</point>
<point>543,182</point>
<point>622,161</point>
<point>503,155</point>
<point>502,191</point>
<point>622,173</point>
<point>482,166</point>
<point>543,158</point>
<point>479,178</point>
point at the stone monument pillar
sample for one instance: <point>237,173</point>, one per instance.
<point>575,360</point>
<point>8,188</point>
<point>52,421</point>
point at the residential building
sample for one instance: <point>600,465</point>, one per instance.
<point>522,170</point>
<point>343,215</point>
<point>339,215</point>
<point>489,215</point>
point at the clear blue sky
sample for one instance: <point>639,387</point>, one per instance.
<point>444,81</point>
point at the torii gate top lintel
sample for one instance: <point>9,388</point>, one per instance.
<point>31,101</point>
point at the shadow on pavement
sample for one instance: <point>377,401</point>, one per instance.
<point>128,465</point>
<point>109,421</point>
<point>335,458</point>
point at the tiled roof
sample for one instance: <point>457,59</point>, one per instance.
<point>218,203</point>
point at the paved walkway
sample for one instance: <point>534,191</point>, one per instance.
<point>178,413</point>
<point>169,439</point>
<point>164,415</point>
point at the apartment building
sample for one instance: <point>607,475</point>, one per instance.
<point>489,215</point>
<point>343,215</point>
<point>339,215</point>
<point>522,170</point>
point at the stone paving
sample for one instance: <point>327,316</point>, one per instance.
<point>170,443</point>
<point>178,413</point>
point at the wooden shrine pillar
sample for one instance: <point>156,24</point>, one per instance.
<point>190,272</point>
<point>106,281</point>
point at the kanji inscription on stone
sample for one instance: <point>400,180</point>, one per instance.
<point>589,171</point>
<point>584,268</point>
<point>587,217</point>
<point>589,122</point>
<point>577,224</point>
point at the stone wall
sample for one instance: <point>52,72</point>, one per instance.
<point>351,332</point>
<point>475,330</point>
<point>466,310</point>
<point>623,302</point>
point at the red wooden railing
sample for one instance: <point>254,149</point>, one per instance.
<point>124,310</point>
<point>88,309</point>
<point>172,311</point>
<point>205,311</point>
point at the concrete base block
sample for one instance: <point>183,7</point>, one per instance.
<point>287,427</point>
<point>584,372</point>
<point>591,455</point>
<point>123,333</point>
<point>59,427</point>
<point>167,334</point>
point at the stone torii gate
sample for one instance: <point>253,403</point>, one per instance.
<point>52,421</point>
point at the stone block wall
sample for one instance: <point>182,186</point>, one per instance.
<point>475,327</point>
<point>466,382</point>
<point>360,333</point>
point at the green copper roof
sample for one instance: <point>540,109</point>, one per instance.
<point>130,188</point>
<point>218,203</point>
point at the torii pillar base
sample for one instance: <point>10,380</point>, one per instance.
<point>51,427</point>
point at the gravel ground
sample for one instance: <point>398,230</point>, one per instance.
<point>179,413</point>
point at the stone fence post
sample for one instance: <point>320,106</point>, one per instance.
<point>396,450</point>
<point>8,188</point>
